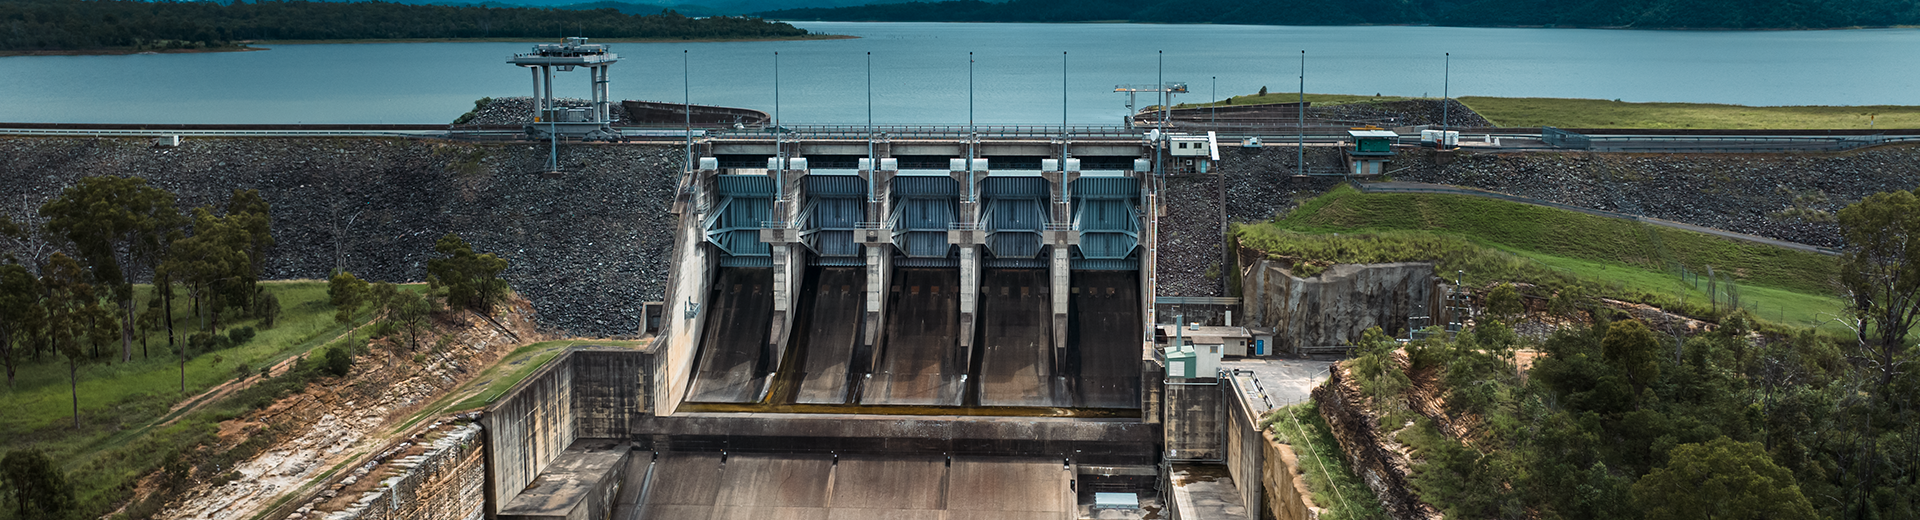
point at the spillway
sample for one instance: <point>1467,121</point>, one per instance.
<point>829,332</point>
<point>1016,341</point>
<point>1103,339</point>
<point>920,359</point>
<point>733,350</point>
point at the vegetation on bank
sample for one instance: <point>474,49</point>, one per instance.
<point>1640,14</point>
<point>1493,240</point>
<point>1617,418</point>
<point>1600,113</point>
<point>1336,490</point>
<point>54,25</point>
<point>99,369</point>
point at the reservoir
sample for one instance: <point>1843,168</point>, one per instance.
<point>920,72</point>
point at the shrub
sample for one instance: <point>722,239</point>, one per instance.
<point>267,310</point>
<point>338,361</point>
<point>201,341</point>
<point>240,336</point>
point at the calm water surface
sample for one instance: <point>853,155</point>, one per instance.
<point>920,72</point>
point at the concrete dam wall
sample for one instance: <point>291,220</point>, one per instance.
<point>1335,306</point>
<point>587,247</point>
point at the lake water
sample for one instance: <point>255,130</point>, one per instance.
<point>920,72</point>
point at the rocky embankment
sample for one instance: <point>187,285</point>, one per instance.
<point>1736,192</point>
<point>519,110</point>
<point>1260,184</point>
<point>587,247</point>
<point>1411,112</point>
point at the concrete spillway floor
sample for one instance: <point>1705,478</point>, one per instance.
<point>921,362</point>
<point>1016,338</point>
<point>752,486</point>
<point>1104,339</point>
<point>832,330</point>
<point>734,344</point>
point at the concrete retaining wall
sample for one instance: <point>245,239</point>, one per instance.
<point>444,483</point>
<point>1266,470</point>
<point>583,393</point>
<point>1334,307</point>
<point>1195,419</point>
<point>526,429</point>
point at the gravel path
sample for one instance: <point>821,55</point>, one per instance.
<point>587,247</point>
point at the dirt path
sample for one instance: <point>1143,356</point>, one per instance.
<point>221,391</point>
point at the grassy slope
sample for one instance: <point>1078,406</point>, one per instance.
<point>1600,113</point>
<point>1497,240</point>
<point>122,404</point>
<point>41,398</point>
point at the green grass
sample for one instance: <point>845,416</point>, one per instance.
<point>1493,240</point>
<point>1600,113</point>
<point>509,371</point>
<point>122,405</point>
<point>1335,488</point>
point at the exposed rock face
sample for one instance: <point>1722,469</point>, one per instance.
<point>1378,459</point>
<point>1334,307</point>
<point>587,247</point>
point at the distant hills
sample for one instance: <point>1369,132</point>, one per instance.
<point>1638,14</point>
<point>128,25</point>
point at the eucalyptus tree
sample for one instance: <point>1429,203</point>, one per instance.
<point>68,296</point>
<point>114,224</point>
<point>20,313</point>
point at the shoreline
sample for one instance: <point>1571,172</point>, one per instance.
<point>122,52</point>
<point>546,40</point>
<point>249,45</point>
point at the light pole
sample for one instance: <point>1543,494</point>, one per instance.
<point>1300,160</point>
<point>686,91</point>
<point>1063,93</point>
<point>1215,94</point>
<point>1446,82</point>
<point>872,163</point>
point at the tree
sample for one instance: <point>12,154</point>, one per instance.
<point>251,213</point>
<point>1721,480</point>
<point>114,224</point>
<point>1504,303</point>
<point>472,280</point>
<point>19,310</point>
<point>209,264</point>
<point>68,296</point>
<point>1881,274</point>
<point>347,293</point>
<point>37,488</point>
<point>1633,349</point>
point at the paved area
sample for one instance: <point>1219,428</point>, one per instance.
<point>1205,491</point>
<point>1283,381</point>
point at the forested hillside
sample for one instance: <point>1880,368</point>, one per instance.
<point>52,25</point>
<point>1640,14</point>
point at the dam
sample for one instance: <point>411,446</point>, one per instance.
<point>914,274</point>
<point>886,327</point>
